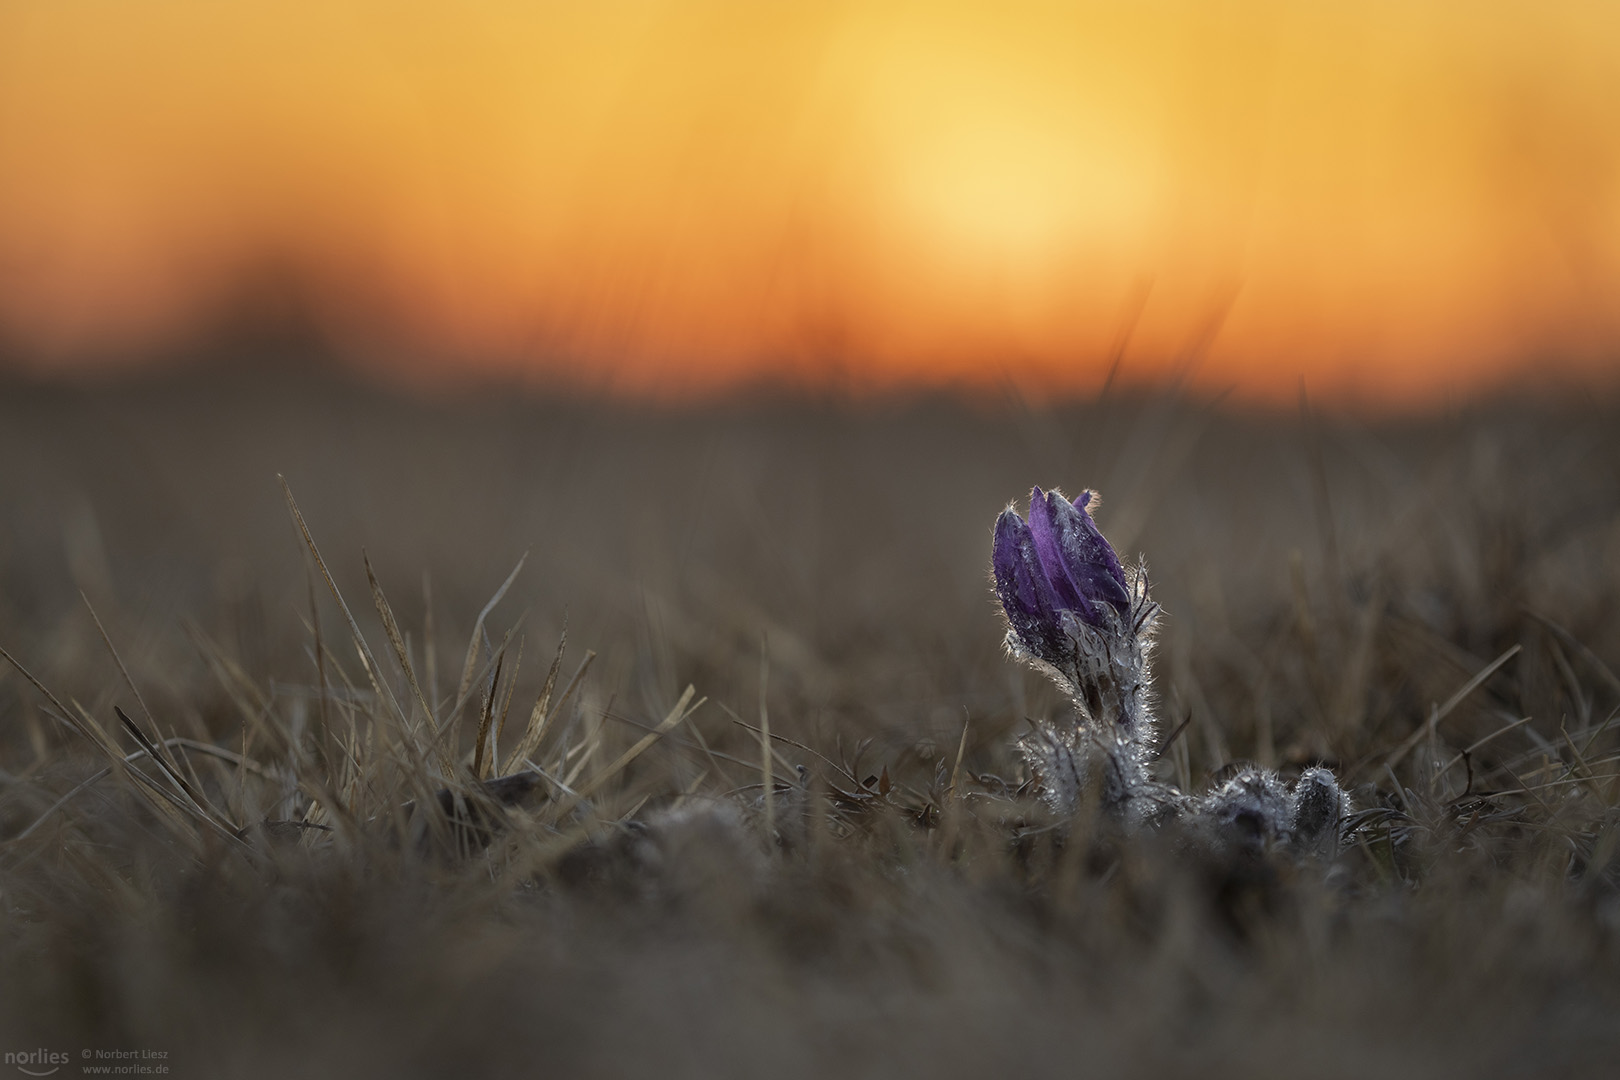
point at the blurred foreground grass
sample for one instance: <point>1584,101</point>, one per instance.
<point>311,878</point>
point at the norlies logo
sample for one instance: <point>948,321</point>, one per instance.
<point>37,1062</point>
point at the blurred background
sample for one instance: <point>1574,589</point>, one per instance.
<point>1392,203</point>
<point>1327,579</point>
<point>747,319</point>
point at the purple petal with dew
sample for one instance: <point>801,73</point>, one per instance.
<point>1025,593</point>
<point>1093,562</point>
<point>1046,528</point>
<point>1075,550</point>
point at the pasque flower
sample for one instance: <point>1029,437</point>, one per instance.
<point>1056,562</point>
<point>1075,613</point>
<point>1079,617</point>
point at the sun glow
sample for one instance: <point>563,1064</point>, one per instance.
<point>1387,198</point>
<point>1020,196</point>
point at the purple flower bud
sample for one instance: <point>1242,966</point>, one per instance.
<point>1080,564</point>
<point>1057,562</point>
<point>1022,586</point>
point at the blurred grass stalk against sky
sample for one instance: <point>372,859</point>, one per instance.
<point>1392,201</point>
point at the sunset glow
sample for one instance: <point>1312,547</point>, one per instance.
<point>1390,200</point>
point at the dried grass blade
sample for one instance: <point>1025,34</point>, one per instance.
<point>765,742</point>
<point>961,751</point>
<point>586,750</point>
<point>430,652</point>
<point>676,715</point>
<point>506,705</point>
<point>83,785</point>
<point>485,721</point>
<point>1581,647</point>
<point>1452,702</point>
<point>320,671</point>
<point>319,784</point>
<point>119,660</point>
<point>61,714</point>
<point>414,768</point>
<point>157,797</point>
<point>537,715</point>
<point>158,752</point>
<point>102,774</point>
<point>471,662</point>
<point>155,746</point>
<point>442,738</point>
<point>391,628</point>
<point>1482,740</point>
<point>543,712</point>
<point>367,660</point>
<point>93,732</point>
<point>779,757</point>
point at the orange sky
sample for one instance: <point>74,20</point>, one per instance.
<point>1391,199</point>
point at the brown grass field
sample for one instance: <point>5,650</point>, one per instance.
<point>308,877</point>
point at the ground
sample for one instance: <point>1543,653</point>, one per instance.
<point>288,895</point>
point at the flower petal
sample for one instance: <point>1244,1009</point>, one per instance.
<point>1021,585</point>
<point>1046,528</point>
<point>1079,560</point>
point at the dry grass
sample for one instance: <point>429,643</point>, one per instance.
<point>249,814</point>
